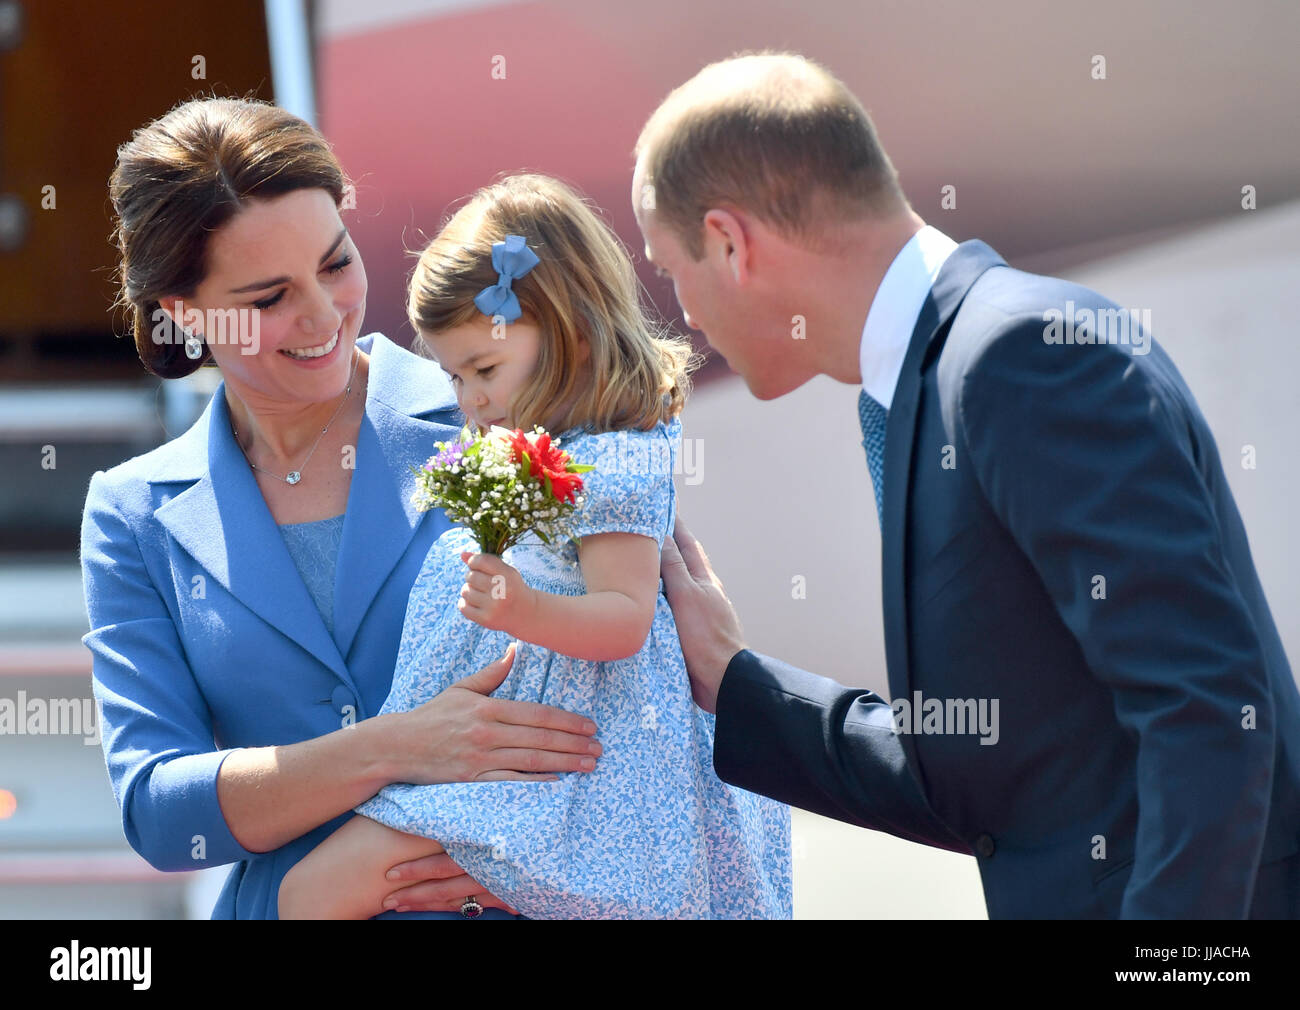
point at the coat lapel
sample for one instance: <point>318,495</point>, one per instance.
<point>222,520</point>
<point>381,521</point>
<point>967,262</point>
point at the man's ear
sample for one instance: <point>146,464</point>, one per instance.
<point>725,233</point>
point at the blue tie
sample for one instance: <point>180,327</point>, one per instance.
<point>873,417</point>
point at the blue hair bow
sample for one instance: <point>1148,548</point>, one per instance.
<point>510,259</point>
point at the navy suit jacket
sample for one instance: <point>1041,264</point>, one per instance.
<point>204,637</point>
<point>1147,761</point>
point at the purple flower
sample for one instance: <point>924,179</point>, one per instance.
<point>448,457</point>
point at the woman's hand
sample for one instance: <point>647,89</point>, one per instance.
<point>495,595</point>
<point>439,885</point>
<point>463,735</point>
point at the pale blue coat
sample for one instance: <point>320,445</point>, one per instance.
<point>205,638</point>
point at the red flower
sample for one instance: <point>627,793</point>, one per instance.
<point>546,463</point>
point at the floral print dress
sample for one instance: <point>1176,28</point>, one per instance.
<point>652,832</point>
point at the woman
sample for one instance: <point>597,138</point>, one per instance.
<point>246,583</point>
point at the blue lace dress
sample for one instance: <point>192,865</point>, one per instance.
<point>652,832</point>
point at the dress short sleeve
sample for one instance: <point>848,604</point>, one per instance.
<point>631,489</point>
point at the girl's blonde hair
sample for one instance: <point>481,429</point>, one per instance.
<point>584,287</point>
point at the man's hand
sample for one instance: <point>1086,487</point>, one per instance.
<point>707,624</point>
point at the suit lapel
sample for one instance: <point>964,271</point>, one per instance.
<point>967,262</point>
<point>222,519</point>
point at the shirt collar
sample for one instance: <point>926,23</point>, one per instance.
<point>896,308</point>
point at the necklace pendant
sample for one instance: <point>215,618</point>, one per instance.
<point>293,478</point>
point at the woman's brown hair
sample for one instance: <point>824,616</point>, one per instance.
<point>183,176</point>
<point>583,289</point>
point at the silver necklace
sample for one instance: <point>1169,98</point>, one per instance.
<point>295,476</point>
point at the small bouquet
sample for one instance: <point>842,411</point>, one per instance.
<point>502,485</point>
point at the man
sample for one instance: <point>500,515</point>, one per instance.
<point>1060,546</point>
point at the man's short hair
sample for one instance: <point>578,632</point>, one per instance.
<point>773,133</point>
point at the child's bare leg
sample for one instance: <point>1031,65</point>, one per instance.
<point>344,876</point>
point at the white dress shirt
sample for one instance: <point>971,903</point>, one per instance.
<point>896,308</point>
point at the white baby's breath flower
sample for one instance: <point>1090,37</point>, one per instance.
<point>479,484</point>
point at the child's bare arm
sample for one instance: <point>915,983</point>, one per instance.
<point>611,621</point>
<point>613,618</point>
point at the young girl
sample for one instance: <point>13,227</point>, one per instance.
<point>530,304</point>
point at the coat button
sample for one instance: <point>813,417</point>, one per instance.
<point>342,698</point>
<point>984,845</point>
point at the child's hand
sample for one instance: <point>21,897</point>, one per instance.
<point>495,594</point>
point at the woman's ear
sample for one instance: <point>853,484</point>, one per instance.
<point>170,304</point>
<point>178,312</point>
